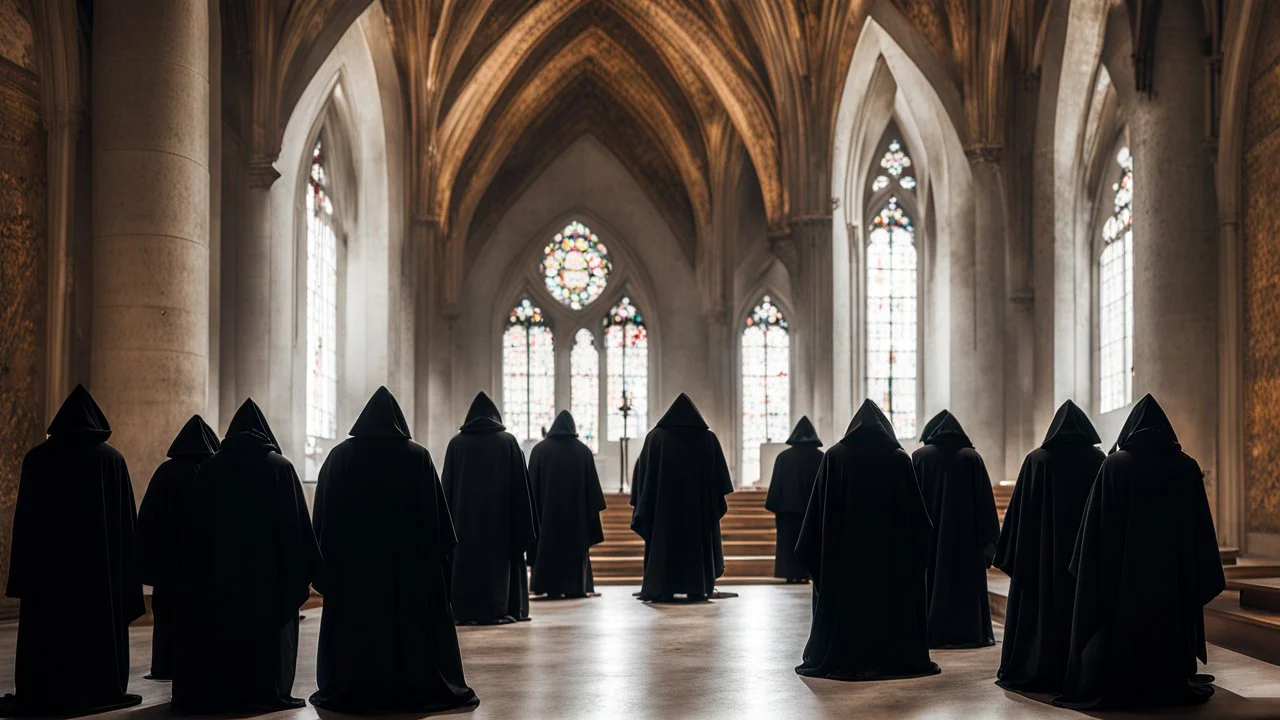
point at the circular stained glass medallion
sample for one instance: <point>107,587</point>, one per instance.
<point>575,266</point>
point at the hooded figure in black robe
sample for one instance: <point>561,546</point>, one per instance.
<point>1146,562</point>
<point>568,501</point>
<point>161,518</point>
<point>793,474</point>
<point>865,530</point>
<point>957,493</point>
<point>487,485</point>
<point>73,564</point>
<point>932,425</point>
<point>681,483</point>
<point>387,640</point>
<point>250,559</point>
<point>1035,548</point>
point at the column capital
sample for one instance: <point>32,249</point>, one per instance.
<point>983,154</point>
<point>262,173</point>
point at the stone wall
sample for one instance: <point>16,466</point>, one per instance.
<point>1261,222</point>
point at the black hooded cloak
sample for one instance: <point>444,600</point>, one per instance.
<point>1146,562</point>
<point>681,483</point>
<point>932,425</point>
<point>1039,533</point>
<point>73,564</point>
<point>957,492</point>
<point>163,514</point>
<point>487,485</point>
<point>568,501</point>
<point>866,529</point>
<point>793,474</point>
<point>251,559</point>
<point>387,640</point>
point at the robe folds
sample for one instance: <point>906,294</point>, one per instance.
<point>962,506</point>
<point>1146,562</point>
<point>1035,547</point>
<point>789,488</point>
<point>865,530</point>
<point>486,484</point>
<point>680,487</point>
<point>73,564</point>
<point>568,501</point>
<point>161,518</point>
<point>250,556</point>
<point>387,639</point>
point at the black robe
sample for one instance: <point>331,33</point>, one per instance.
<point>160,518</point>
<point>387,639</point>
<point>1146,562</point>
<point>866,533</point>
<point>681,483</point>
<point>487,486</point>
<point>568,501</point>
<point>1035,548</point>
<point>957,493</point>
<point>73,564</point>
<point>793,474</point>
<point>250,557</point>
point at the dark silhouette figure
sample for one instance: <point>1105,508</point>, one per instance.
<point>250,557</point>
<point>865,530</point>
<point>487,486</point>
<point>1146,562</point>
<point>681,481</point>
<point>1035,547</point>
<point>793,474</point>
<point>932,425</point>
<point>387,640</point>
<point>73,566</point>
<point>957,493</point>
<point>568,501</point>
<point>163,515</point>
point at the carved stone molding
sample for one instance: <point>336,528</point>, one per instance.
<point>262,174</point>
<point>984,154</point>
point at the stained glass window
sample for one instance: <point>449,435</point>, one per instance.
<point>891,316</point>
<point>895,162</point>
<point>1115,293</point>
<point>626,342</point>
<point>766,384</point>
<point>584,378</point>
<point>575,265</point>
<point>321,310</point>
<point>528,372</point>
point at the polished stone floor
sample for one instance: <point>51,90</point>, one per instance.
<point>615,657</point>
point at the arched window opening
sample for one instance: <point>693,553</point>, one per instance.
<point>891,316</point>
<point>528,372</point>
<point>1115,293</point>
<point>321,309</point>
<point>576,265</point>
<point>584,378</point>
<point>626,342</point>
<point>766,383</point>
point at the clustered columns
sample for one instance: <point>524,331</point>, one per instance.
<point>149,355</point>
<point>980,392</point>
<point>807,253</point>
<point>253,287</point>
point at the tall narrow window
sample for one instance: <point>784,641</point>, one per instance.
<point>528,372</point>
<point>891,316</point>
<point>626,342</point>
<point>584,378</point>
<point>1115,293</point>
<point>766,384</point>
<point>321,309</point>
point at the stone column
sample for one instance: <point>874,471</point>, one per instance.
<point>150,345</point>
<point>1175,252</point>
<point>253,290</point>
<point>984,412</point>
<point>809,255</point>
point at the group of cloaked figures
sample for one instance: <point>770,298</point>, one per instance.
<point>1111,559</point>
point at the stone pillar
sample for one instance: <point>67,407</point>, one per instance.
<point>1175,252</point>
<point>983,416</point>
<point>253,290</point>
<point>812,277</point>
<point>150,346</point>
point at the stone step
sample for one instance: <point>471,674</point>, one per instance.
<point>633,548</point>
<point>1258,593</point>
<point>735,566</point>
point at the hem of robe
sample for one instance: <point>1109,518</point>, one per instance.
<point>504,620</point>
<point>869,675</point>
<point>963,645</point>
<point>375,703</point>
<point>1192,693</point>
<point>1032,685</point>
<point>236,707</point>
<point>671,599</point>
<point>13,707</point>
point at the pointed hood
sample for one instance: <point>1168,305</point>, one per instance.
<point>1147,425</point>
<point>948,432</point>
<point>932,425</point>
<point>381,418</point>
<point>804,435</point>
<point>1071,426</point>
<point>682,414</point>
<point>80,417</point>
<point>870,421</point>
<point>195,440</point>
<point>483,416</point>
<point>564,426</point>
<point>249,428</point>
